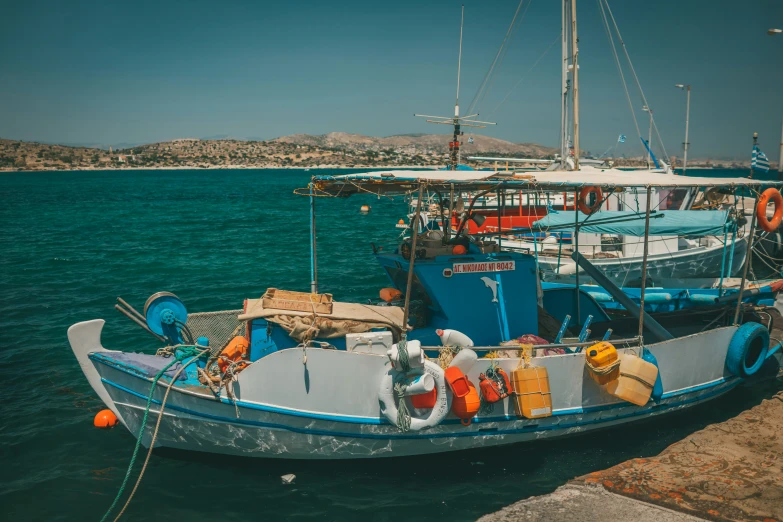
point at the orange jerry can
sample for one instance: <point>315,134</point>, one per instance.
<point>531,387</point>
<point>467,406</point>
<point>234,351</point>
<point>601,359</point>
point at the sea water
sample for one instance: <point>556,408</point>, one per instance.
<point>71,242</point>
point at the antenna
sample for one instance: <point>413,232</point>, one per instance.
<point>457,121</point>
<point>459,61</point>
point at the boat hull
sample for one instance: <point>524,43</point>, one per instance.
<point>328,408</point>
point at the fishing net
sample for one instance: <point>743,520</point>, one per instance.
<point>218,327</point>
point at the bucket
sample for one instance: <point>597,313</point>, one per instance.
<point>459,384</point>
<point>466,406</point>
<point>425,400</point>
<point>424,383</point>
<point>531,387</point>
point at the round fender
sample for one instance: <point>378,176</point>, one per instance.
<point>747,350</point>
<point>761,210</point>
<point>420,418</point>
<point>583,200</point>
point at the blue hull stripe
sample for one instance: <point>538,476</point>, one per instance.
<point>532,428</point>
<point>381,421</point>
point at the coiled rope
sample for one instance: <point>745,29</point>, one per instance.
<point>402,356</point>
<point>185,351</point>
<point>403,415</point>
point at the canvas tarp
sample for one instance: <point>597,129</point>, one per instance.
<point>629,223</point>
<point>345,318</point>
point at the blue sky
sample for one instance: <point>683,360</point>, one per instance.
<point>137,72</point>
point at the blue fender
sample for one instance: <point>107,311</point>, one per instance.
<point>657,391</point>
<point>747,349</point>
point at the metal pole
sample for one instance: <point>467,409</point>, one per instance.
<point>575,62</point>
<point>500,220</point>
<point>644,263</point>
<point>451,212</point>
<point>575,246</point>
<point>409,285</point>
<point>649,139</point>
<point>313,250</point>
<point>687,118</point>
<point>748,258</point>
<point>563,84</point>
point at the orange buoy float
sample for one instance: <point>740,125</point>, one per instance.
<point>584,194</point>
<point>235,351</point>
<point>390,294</point>
<point>105,419</point>
<point>458,250</point>
<point>761,210</point>
<point>468,406</point>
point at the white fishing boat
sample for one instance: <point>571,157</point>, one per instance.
<point>319,379</point>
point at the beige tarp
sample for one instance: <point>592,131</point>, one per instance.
<point>345,318</point>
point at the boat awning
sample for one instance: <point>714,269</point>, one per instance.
<point>407,181</point>
<point>630,223</point>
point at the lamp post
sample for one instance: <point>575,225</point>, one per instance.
<point>773,32</point>
<point>649,135</point>
<point>687,88</point>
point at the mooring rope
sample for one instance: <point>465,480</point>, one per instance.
<point>186,351</point>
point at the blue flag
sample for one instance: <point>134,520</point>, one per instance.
<point>621,138</point>
<point>758,160</point>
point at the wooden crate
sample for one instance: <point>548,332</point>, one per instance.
<point>298,301</point>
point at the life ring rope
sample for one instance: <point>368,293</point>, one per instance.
<point>769,225</point>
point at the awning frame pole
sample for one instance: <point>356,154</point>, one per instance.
<point>409,285</point>
<point>313,245</point>
<point>644,264</point>
<point>748,258</point>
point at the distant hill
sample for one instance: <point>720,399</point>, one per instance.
<point>333,150</point>
<point>418,143</point>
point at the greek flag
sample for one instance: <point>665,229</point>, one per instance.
<point>470,140</point>
<point>759,160</point>
<point>621,138</point>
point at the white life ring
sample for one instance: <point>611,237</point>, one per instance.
<point>386,396</point>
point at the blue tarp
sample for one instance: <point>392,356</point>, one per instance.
<point>629,223</point>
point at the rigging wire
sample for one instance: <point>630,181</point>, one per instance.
<point>619,67</point>
<point>636,78</point>
<point>525,75</point>
<point>483,88</point>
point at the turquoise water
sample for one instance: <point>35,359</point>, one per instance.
<point>70,243</point>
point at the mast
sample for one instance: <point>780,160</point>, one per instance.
<point>575,86</point>
<point>564,87</point>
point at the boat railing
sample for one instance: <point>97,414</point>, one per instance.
<point>627,342</point>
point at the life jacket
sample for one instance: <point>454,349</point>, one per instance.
<point>494,385</point>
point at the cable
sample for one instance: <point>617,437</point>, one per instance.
<point>481,90</point>
<point>525,75</point>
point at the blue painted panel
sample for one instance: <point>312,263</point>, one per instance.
<point>559,302</point>
<point>261,342</point>
<point>488,307</point>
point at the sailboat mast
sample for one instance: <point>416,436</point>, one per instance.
<point>454,145</point>
<point>564,86</point>
<point>575,86</point>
